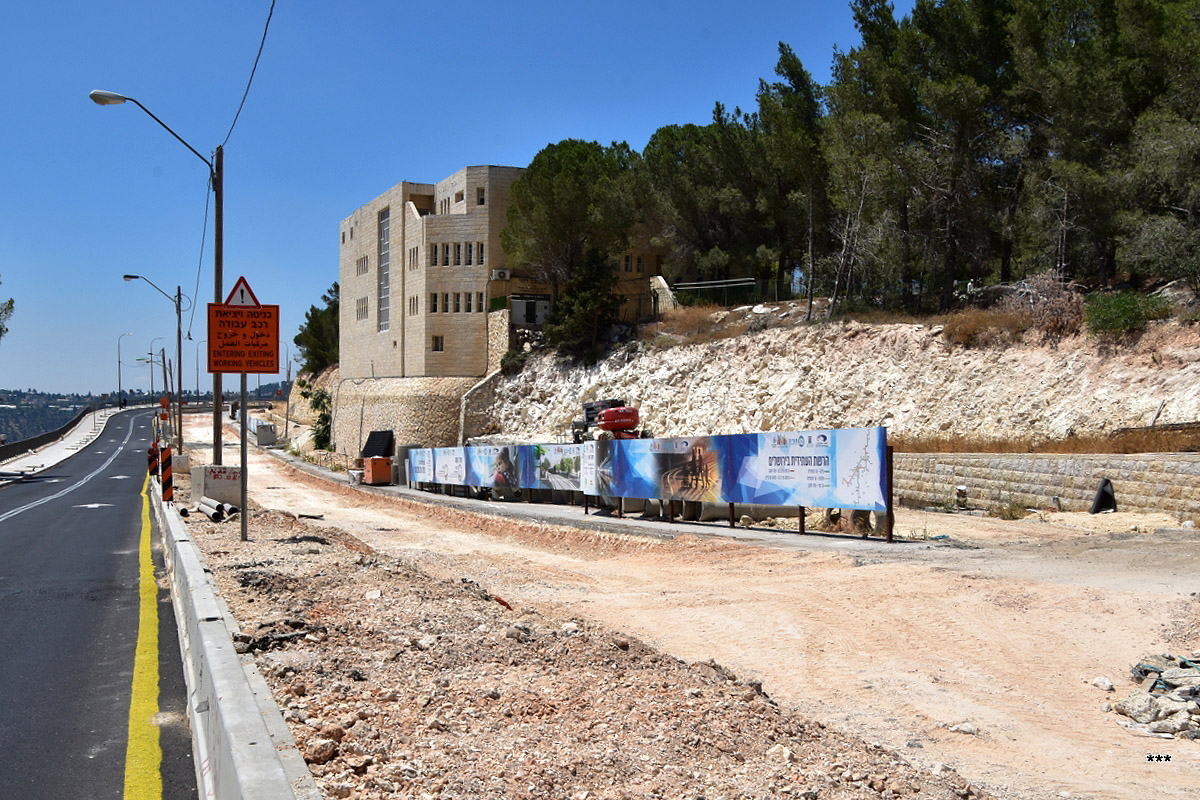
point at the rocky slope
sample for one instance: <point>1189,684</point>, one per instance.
<point>905,376</point>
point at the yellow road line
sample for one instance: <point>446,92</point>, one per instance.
<point>143,754</point>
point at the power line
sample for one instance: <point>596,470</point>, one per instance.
<point>252,71</point>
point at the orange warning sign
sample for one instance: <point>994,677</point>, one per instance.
<point>243,335</point>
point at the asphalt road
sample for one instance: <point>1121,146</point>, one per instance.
<point>71,545</point>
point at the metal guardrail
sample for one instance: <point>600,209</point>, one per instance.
<point>13,449</point>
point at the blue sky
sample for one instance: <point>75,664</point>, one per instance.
<point>349,99</point>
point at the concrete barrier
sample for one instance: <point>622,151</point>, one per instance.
<point>242,747</point>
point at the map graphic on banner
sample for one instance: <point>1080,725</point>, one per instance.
<point>840,468</point>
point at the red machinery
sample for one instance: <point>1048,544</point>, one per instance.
<point>617,420</point>
<point>621,422</point>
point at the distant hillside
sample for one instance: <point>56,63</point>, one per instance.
<point>25,414</point>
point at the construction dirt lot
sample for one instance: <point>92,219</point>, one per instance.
<point>422,651</point>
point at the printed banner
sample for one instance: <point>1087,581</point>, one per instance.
<point>492,465</point>
<point>551,466</point>
<point>420,466</point>
<point>841,468</point>
<point>450,465</point>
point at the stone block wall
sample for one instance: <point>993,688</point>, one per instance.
<point>420,411</point>
<point>499,338</point>
<point>1167,482</point>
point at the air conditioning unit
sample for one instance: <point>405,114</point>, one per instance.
<point>501,274</point>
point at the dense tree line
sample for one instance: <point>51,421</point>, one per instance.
<point>983,140</point>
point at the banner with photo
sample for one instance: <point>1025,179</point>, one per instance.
<point>492,465</point>
<point>551,466</point>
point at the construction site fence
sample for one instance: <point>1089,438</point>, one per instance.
<point>840,468</point>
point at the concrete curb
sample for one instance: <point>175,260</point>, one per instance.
<point>242,747</point>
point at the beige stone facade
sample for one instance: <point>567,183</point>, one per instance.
<point>417,265</point>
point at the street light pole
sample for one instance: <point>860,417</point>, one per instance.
<point>178,301</point>
<point>119,394</point>
<point>152,341</point>
<point>216,169</point>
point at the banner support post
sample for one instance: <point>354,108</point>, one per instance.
<point>890,524</point>
<point>800,519</point>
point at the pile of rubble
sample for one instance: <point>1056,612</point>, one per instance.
<point>1167,700</point>
<point>399,684</point>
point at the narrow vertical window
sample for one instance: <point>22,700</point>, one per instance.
<point>433,248</point>
<point>479,301</point>
<point>641,263</point>
<point>439,344</point>
<point>627,259</point>
<point>481,253</point>
<point>467,297</point>
<point>433,302</point>
<point>470,253</point>
<point>480,196</point>
<point>385,280</point>
<point>458,254</point>
<point>457,302</point>
<point>445,302</point>
<point>446,254</point>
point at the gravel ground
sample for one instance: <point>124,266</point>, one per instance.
<point>399,684</point>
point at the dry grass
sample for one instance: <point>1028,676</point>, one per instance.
<point>691,325</point>
<point>978,327</point>
<point>1139,441</point>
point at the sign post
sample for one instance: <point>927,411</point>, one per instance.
<point>243,337</point>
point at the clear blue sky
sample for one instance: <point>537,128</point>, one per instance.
<point>349,99</point>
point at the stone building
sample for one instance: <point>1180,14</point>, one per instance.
<point>416,269</point>
<point>429,303</point>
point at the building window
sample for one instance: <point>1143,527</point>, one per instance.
<point>458,196</point>
<point>360,308</point>
<point>362,265</point>
<point>446,254</point>
<point>458,254</point>
<point>467,295</point>
<point>479,196</point>
<point>445,302</point>
<point>470,253</point>
<point>641,263</point>
<point>439,344</point>
<point>479,301</point>
<point>385,280</point>
<point>457,302</point>
<point>343,237</point>
<point>433,251</point>
<point>481,254</point>
<point>627,260</point>
<point>433,302</point>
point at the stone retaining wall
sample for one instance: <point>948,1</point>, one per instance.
<point>1144,482</point>
<point>420,411</point>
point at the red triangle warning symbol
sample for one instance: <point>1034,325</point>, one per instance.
<point>242,295</point>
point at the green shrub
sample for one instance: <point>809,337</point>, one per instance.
<point>1114,314</point>
<point>513,361</point>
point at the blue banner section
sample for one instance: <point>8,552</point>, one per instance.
<point>838,468</point>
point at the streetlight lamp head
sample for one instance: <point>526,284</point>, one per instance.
<point>103,98</point>
<point>131,277</point>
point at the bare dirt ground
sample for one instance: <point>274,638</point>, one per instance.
<point>1002,626</point>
